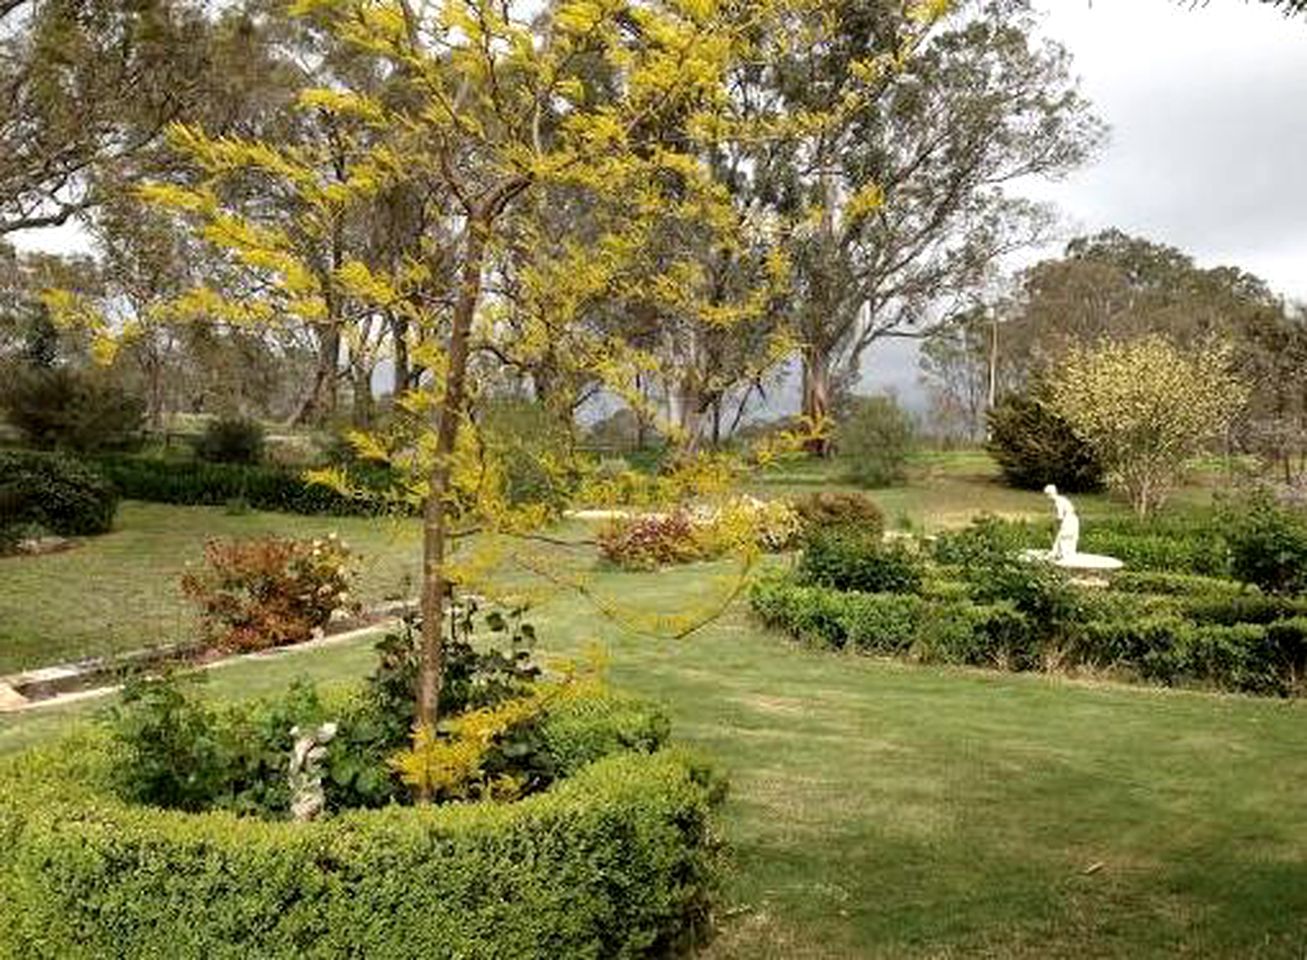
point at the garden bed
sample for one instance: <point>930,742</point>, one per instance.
<point>616,860</point>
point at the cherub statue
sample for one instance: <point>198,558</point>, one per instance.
<point>307,799</point>
<point>1066,543</point>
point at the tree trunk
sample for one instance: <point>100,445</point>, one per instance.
<point>320,404</point>
<point>363,406</point>
<point>399,340</point>
<point>436,514</point>
<point>816,398</point>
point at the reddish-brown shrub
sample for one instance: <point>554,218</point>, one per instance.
<point>651,541</point>
<point>269,592</point>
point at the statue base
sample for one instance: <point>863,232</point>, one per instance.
<point>1077,561</point>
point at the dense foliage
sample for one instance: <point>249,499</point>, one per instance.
<point>848,559</point>
<point>54,493</point>
<point>1033,447</point>
<point>67,408</point>
<point>741,525</point>
<point>1268,545</point>
<point>617,860</point>
<point>231,440</point>
<point>269,592</point>
<point>876,438</point>
<point>195,483</point>
<point>840,509</point>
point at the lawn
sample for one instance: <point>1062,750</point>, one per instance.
<point>887,810</point>
<point>877,809</point>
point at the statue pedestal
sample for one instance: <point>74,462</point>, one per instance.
<point>1083,562</point>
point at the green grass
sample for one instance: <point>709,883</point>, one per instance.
<point>877,809</point>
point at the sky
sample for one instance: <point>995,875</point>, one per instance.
<point>1208,149</point>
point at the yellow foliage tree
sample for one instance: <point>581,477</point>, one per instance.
<point>1146,407</point>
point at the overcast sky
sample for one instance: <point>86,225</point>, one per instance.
<point>1208,150</point>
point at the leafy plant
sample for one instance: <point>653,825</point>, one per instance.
<point>1268,545</point>
<point>231,440</point>
<point>839,509</point>
<point>55,493</point>
<point>1034,447</point>
<point>847,559</point>
<point>651,541</point>
<point>269,592</point>
<point>876,437</point>
<point>70,409</point>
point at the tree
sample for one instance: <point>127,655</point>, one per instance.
<point>491,111</point>
<point>1146,407</point>
<point>88,87</point>
<point>898,204</point>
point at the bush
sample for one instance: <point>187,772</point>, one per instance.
<point>1268,545</point>
<point>526,441</point>
<point>846,560</point>
<point>69,409</point>
<point>744,523</point>
<point>263,488</point>
<point>615,861</point>
<point>1173,584</point>
<point>1034,447</point>
<point>55,493</point>
<point>231,440</point>
<point>651,541</point>
<point>876,438</point>
<point>269,592</point>
<point>834,509</point>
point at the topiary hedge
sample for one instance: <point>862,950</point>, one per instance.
<point>616,860</point>
<point>54,492</point>
<point>196,483</point>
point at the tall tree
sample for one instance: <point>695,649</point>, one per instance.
<point>899,205</point>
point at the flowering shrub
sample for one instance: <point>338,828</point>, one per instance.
<point>269,592</point>
<point>651,541</point>
<point>746,523</point>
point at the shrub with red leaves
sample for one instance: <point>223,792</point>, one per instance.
<point>651,541</point>
<point>269,592</point>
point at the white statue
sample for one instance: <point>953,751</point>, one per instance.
<point>307,799</point>
<point>1066,543</point>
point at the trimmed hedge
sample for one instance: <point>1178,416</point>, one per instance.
<point>196,483</point>
<point>846,559</point>
<point>1248,644</point>
<point>614,861</point>
<point>54,492</point>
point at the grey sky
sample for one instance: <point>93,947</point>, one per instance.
<point>1208,152</point>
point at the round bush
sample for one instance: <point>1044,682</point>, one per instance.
<point>615,861</point>
<point>835,509</point>
<point>1034,447</point>
<point>231,440</point>
<point>54,492</point>
<point>877,438</point>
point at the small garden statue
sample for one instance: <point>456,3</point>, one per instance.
<point>1066,543</point>
<point>307,799</point>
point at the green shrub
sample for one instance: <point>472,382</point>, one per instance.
<point>1173,584</point>
<point>196,483</point>
<point>1232,609</point>
<point>231,440</point>
<point>1034,447</point>
<point>838,509</point>
<point>1268,545</point>
<point>528,441</point>
<point>876,438</point>
<point>54,492</point>
<point>69,409</point>
<point>986,538</point>
<point>616,861</point>
<point>844,559</point>
<point>970,634</point>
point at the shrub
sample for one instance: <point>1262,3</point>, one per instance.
<point>876,438</point>
<point>1268,545</point>
<point>54,492</point>
<point>836,509</point>
<point>1173,584</point>
<point>231,440</point>
<point>847,560</point>
<point>745,523</point>
<point>269,592</point>
<point>197,483</point>
<point>69,409</point>
<point>651,541</point>
<point>616,861</point>
<point>987,538</point>
<point>524,438</point>
<point>1033,447</point>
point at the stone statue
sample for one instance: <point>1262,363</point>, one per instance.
<point>1066,543</point>
<point>307,799</point>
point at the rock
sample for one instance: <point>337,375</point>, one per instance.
<point>11,699</point>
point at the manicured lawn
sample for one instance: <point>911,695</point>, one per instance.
<point>887,810</point>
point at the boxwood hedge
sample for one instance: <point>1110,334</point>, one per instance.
<point>616,860</point>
